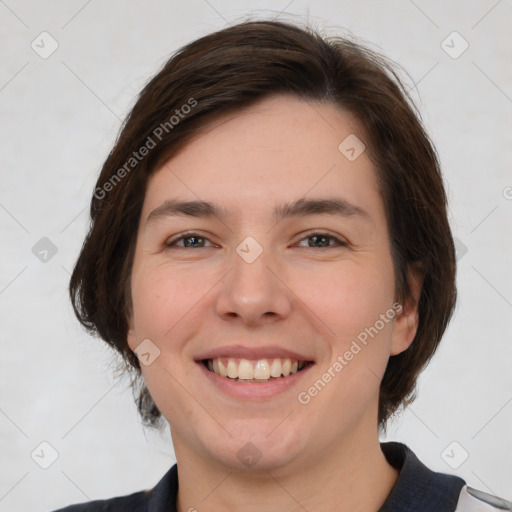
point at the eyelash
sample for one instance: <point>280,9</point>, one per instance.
<point>185,236</point>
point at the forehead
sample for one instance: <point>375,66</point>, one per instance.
<point>278,150</point>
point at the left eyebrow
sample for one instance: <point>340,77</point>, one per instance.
<point>335,206</point>
<point>300,208</point>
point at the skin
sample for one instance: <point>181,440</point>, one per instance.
<point>323,455</point>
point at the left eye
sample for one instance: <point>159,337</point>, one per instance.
<point>322,240</point>
<point>319,240</point>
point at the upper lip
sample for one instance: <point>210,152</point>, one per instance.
<point>255,353</point>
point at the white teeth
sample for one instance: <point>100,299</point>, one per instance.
<point>223,371</point>
<point>245,370</point>
<point>275,369</point>
<point>232,369</point>
<point>262,369</point>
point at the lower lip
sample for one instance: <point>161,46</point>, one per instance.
<point>259,390</point>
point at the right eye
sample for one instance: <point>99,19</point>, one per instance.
<point>190,241</point>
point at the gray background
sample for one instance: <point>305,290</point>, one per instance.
<point>60,116</point>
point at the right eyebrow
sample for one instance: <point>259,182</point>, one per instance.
<point>172,207</point>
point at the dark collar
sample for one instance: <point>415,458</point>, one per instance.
<point>418,489</point>
<point>162,498</point>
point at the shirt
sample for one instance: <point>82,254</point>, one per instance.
<point>417,489</point>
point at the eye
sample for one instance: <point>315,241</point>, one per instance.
<point>323,241</point>
<point>316,240</point>
<point>190,241</point>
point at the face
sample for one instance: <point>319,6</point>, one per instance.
<point>263,310</point>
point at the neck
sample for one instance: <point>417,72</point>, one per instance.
<point>337,479</point>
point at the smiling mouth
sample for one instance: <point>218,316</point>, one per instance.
<point>258,371</point>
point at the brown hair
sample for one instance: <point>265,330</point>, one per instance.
<point>232,69</point>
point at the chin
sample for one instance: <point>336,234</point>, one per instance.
<point>254,449</point>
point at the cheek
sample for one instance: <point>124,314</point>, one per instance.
<point>163,301</point>
<point>161,298</point>
<point>349,298</point>
<point>351,302</point>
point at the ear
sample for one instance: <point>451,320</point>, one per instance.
<point>406,321</point>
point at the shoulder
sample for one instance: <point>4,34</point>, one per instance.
<point>419,488</point>
<point>472,500</point>
<point>161,498</point>
<point>136,502</point>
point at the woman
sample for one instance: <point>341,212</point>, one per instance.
<point>270,252</point>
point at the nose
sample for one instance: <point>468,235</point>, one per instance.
<point>254,293</point>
